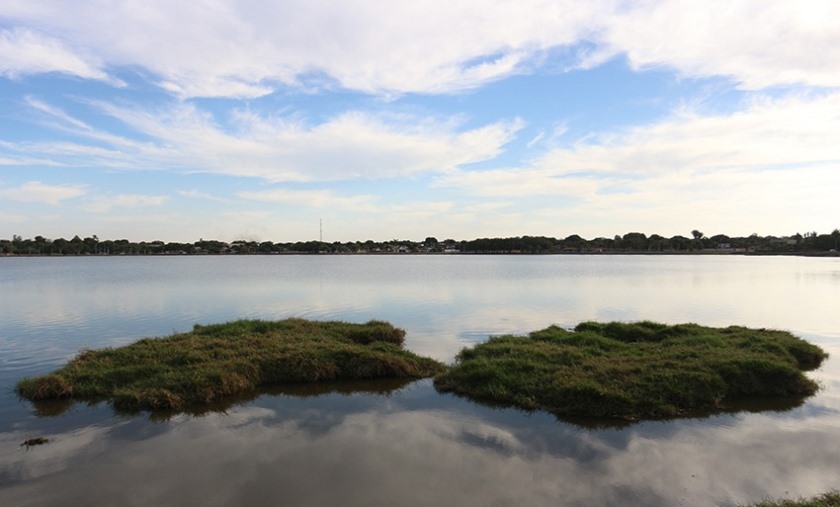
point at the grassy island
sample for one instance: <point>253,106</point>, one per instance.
<point>633,370</point>
<point>215,361</point>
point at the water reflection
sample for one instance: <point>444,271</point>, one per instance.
<point>406,445</point>
<point>62,305</point>
<point>387,387</point>
<point>382,387</point>
<point>416,448</point>
<point>730,406</point>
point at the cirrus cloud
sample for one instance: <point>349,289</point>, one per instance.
<point>351,145</point>
<point>24,51</point>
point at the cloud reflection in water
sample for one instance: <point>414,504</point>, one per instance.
<point>412,447</point>
<point>417,448</point>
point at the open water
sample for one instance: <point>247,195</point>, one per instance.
<point>404,444</point>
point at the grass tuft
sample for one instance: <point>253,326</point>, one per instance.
<point>51,386</point>
<point>633,370</point>
<point>830,499</point>
<point>222,360</point>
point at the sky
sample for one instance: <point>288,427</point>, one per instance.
<point>353,120</point>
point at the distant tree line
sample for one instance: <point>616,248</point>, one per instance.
<point>632,242</point>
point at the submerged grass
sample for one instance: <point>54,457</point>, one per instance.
<point>217,361</point>
<point>633,370</point>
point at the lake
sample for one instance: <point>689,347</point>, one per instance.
<point>386,443</point>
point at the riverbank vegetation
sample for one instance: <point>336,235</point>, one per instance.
<point>631,242</point>
<point>633,371</point>
<point>216,361</point>
<point>830,499</point>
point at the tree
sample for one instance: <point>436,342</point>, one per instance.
<point>635,240</point>
<point>59,246</point>
<point>655,241</point>
<point>697,242</point>
<point>266,247</point>
<point>836,235</point>
<point>719,241</point>
<point>679,243</point>
<point>822,242</point>
<point>573,242</point>
<point>92,244</point>
<point>77,246</point>
<point>753,241</point>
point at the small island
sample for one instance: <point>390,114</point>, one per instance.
<point>632,371</point>
<point>216,361</point>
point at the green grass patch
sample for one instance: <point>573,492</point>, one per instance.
<point>217,361</point>
<point>830,499</point>
<point>633,370</point>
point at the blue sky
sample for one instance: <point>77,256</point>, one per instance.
<point>401,120</point>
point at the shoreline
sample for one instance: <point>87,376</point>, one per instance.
<point>416,254</point>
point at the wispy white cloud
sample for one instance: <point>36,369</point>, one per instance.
<point>783,134</point>
<point>776,158</point>
<point>312,199</point>
<point>24,51</point>
<point>771,154</point>
<point>58,117</point>
<point>105,203</point>
<point>352,145</point>
<point>10,159</point>
<point>548,139</point>
<point>244,216</point>
<point>758,44</point>
<point>35,191</point>
<point>248,49</point>
<point>197,194</point>
<point>93,147</point>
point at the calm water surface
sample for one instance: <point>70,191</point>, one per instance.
<point>386,444</point>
